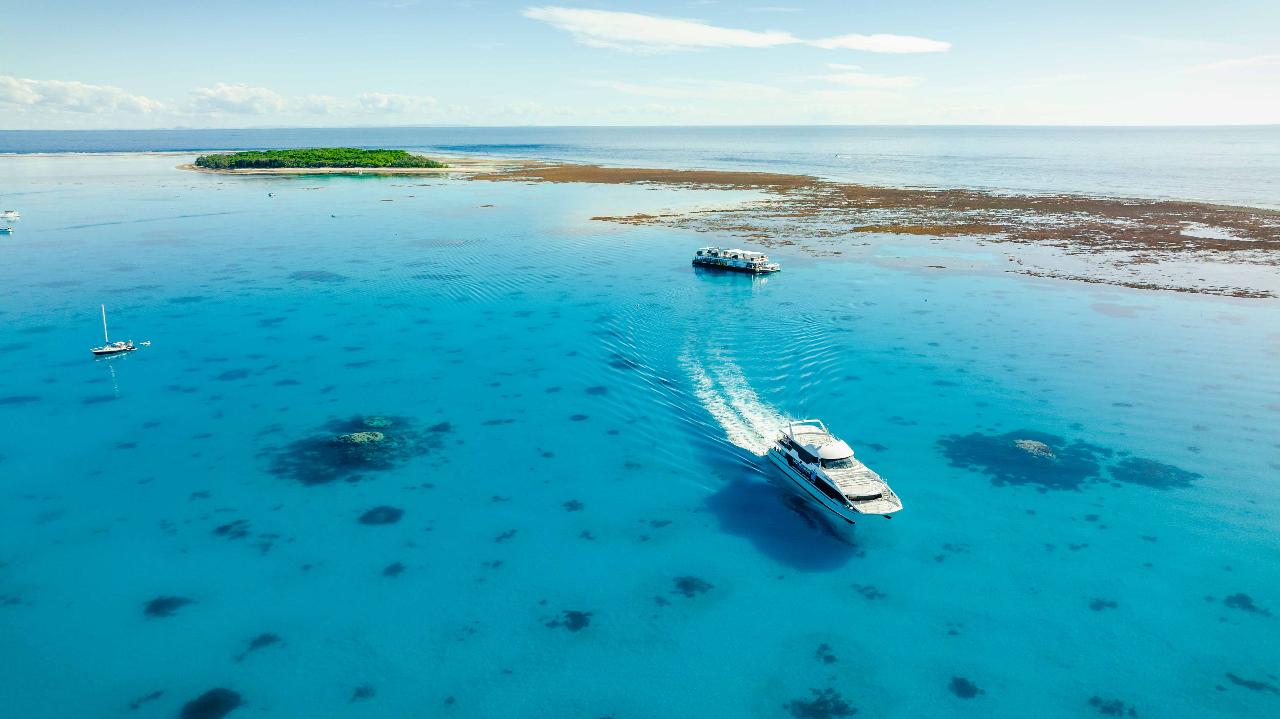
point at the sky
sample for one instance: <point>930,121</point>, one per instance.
<point>87,64</point>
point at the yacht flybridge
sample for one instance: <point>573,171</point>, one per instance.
<point>825,468</point>
<point>735,259</point>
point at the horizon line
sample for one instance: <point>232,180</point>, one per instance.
<point>181,128</point>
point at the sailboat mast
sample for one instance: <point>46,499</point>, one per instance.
<point>105,339</point>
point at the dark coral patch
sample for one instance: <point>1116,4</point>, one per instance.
<point>868,591</point>
<point>394,569</point>
<point>382,514</point>
<point>824,654</point>
<point>19,399</point>
<point>690,586</point>
<point>262,641</point>
<point>571,619</point>
<point>265,639</point>
<point>362,693</point>
<point>1112,707</point>
<point>598,390</point>
<point>1150,473</point>
<point>238,529</point>
<point>578,418</point>
<point>232,375</point>
<point>145,698</point>
<point>1027,458</point>
<point>824,704</point>
<point>964,688</point>
<point>1244,603</point>
<point>1255,685</point>
<point>213,704</point>
<point>573,505</point>
<point>346,449</point>
<point>1098,605</point>
<point>165,606</point>
<point>99,399</point>
<point>620,361</point>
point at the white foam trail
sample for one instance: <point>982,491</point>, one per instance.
<point>724,392</point>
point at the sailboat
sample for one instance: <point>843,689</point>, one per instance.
<point>111,348</point>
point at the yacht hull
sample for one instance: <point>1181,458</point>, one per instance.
<point>714,265</point>
<point>839,509</point>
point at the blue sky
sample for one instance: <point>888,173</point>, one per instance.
<point>138,64</point>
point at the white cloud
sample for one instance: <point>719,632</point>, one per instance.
<point>321,105</point>
<point>383,102</point>
<point>72,96</point>
<point>654,33</point>
<point>224,98</point>
<point>633,31</point>
<point>882,43</point>
<point>236,100</point>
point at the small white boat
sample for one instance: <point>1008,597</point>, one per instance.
<point>109,347</point>
<point>825,469</point>
<point>735,259</point>
<point>9,215</point>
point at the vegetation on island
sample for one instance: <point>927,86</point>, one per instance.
<point>315,157</point>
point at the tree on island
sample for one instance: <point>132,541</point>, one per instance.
<point>315,157</point>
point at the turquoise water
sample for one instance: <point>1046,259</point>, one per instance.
<point>587,529</point>
<point>1234,165</point>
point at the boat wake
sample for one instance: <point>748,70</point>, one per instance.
<point>726,395</point>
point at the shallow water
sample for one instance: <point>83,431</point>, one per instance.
<point>586,527</point>
<point>1234,165</point>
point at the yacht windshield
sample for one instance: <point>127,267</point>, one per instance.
<point>846,463</point>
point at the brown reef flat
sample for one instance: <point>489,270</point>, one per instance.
<point>596,174</point>
<point>1129,242</point>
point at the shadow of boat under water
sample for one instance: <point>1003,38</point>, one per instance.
<point>782,525</point>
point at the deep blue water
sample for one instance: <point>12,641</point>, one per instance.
<point>586,528</point>
<point>1239,165</point>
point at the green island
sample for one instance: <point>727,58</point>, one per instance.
<point>315,157</point>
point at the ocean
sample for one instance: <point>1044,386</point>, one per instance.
<point>565,511</point>
<point>1231,165</point>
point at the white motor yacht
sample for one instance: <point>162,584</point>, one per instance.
<point>9,215</point>
<point>735,259</point>
<point>825,469</point>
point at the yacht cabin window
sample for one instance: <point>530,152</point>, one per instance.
<point>846,463</point>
